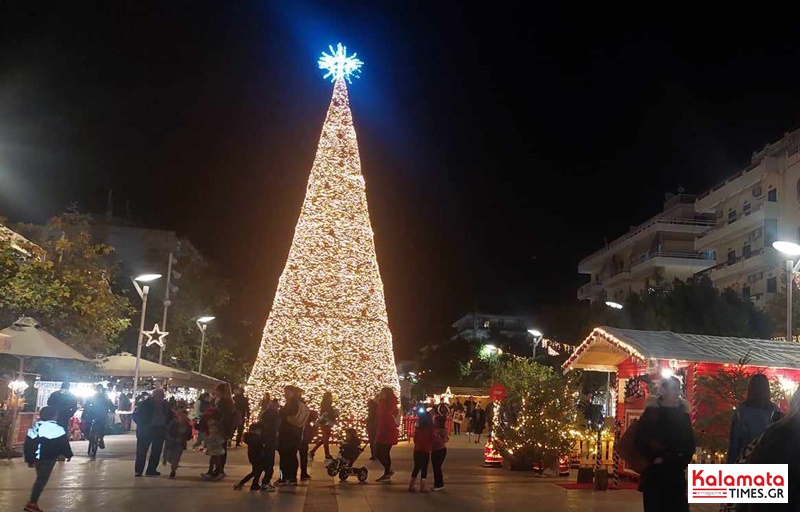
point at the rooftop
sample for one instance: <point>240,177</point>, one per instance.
<point>607,347</point>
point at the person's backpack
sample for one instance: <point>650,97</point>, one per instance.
<point>300,418</point>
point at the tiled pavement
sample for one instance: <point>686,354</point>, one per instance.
<point>107,484</point>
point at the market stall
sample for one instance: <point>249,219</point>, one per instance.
<point>638,359</point>
<point>25,339</point>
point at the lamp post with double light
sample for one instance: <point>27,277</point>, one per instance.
<point>202,324</point>
<point>793,250</point>
<point>143,291</point>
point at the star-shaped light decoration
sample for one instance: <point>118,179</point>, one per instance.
<point>156,333</point>
<point>340,65</point>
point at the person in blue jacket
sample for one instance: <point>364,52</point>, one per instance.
<point>751,417</point>
<point>45,443</point>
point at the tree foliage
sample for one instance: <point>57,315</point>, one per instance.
<point>67,289</point>
<point>539,413</point>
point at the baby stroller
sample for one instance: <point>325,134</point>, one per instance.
<point>342,465</point>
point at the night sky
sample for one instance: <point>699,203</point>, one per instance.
<point>500,144</point>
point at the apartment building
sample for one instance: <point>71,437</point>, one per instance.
<point>752,209</point>
<point>663,248</point>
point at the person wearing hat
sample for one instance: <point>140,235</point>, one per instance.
<point>152,417</point>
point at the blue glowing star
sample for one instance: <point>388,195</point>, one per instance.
<point>340,65</point>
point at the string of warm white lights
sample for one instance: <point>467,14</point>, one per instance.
<point>328,328</point>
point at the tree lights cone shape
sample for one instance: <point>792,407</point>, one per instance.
<point>328,329</point>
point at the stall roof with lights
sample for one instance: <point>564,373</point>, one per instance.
<point>607,347</point>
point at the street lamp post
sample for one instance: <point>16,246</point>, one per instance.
<point>143,291</point>
<point>537,338</point>
<point>202,324</point>
<point>790,249</point>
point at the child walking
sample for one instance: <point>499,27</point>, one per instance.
<point>423,445</point>
<point>255,455</point>
<point>179,431</point>
<point>440,438</point>
<point>45,443</point>
<point>214,444</point>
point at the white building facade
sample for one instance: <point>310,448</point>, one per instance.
<point>661,249</point>
<point>755,207</point>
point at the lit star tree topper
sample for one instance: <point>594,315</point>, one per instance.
<point>328,329</point>
<point>340,65</point>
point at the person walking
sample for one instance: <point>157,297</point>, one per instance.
<point>478,422</point>
<point>151,417</point>
<point>215,445</point>
<point>290,434</point>
<point>46,442</point>
<point>255,456</point>
<point>65,405</point>
<point>752,416</point>
<point>423,446</point>
<point>270,421</point>
<point>225,418</point>
<point>327,420</point>
<point>440,438</point>
<point>242,407</point>
<point>179,431</point>
<point>469,410</point>
<point>665,438</point>
<point>457,415</point>
<point>372,425</point>
<point>386,432</point>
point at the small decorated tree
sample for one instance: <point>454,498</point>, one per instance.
<point>536,421</point>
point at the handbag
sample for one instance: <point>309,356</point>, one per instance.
<point>626,448</point>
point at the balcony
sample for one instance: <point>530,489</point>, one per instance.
<point>691,226</point>
<point>590,291</point>
<point>697,261</point>
<point>744,223</point>
<point>740,265</point>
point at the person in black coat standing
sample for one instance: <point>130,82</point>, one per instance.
<point>289,438</point>
<point>65,404</point>
<point>151,417</point>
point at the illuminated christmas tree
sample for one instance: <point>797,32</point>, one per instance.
<point>328,329</point>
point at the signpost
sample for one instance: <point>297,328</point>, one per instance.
<point>497,392</point>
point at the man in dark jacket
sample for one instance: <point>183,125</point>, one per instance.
<point>289,438</point>
<point>151,417</point>
<point>242,406</point>
<point>65,405</point>
<point>269,434</point>
<point>45,443</point>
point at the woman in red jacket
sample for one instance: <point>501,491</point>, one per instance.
<point>386,432</point>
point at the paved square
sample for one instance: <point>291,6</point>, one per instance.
<point>107,484</point>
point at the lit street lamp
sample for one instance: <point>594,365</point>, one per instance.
<point>202,324</point>
<point>790,249</point>
<point>537,338</point>
<point>142,291</point>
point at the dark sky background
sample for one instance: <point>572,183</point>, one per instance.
<point>500,144</point>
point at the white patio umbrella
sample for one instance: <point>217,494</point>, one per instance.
<point>124,365</point>
<point>26,338</point>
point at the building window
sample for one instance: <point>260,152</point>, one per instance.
<point>746,251</point>
<point>746,207</point>
<point>746,292</point>
<point>772,195</point>
<point>772,285</point>
<point>731,216</point>
<point>757,191</point>
<point>731,256</point>
<point>770,231</point>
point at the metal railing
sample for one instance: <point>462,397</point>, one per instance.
<point>647,225</point>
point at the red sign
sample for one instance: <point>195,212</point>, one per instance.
<point>497,392</point>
